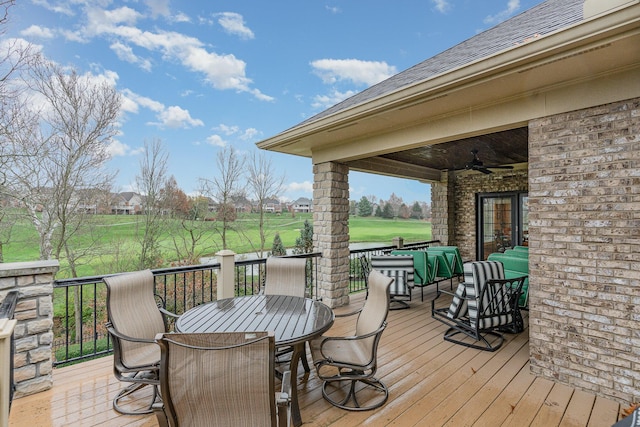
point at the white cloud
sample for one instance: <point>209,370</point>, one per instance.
<point>226,129</point>
<point>442,6</point>
<point>158,8</point>
<point>249,134</point>
<point>222,72</point>
<point>305,186</point>
<point>175,117</point>
<point>333,9</point>
<point>233,23</point>
<point>326,101</point>
<point>216,141</point>
<point>181,17</point>
<point>60,6</point>
<point>39,32</point>
<point>117,148</point>
<point>512,7</point>
<point>245,135</point>
<point>125,53</point>
<point>352,70</point>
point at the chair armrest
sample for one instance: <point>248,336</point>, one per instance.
<point>168,313</point>
<point>124,337</point>
<point>349,338</point>
<point>348,314</point>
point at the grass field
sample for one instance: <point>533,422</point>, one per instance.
<point>119,237</point>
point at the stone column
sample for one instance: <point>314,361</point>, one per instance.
<point>34,331</point>
<point>331,231</point>
<point>443,210</point>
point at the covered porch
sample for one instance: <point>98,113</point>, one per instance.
<point>431,382</point>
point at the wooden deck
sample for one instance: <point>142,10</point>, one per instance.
<point>431,383</point>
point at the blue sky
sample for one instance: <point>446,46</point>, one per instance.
<point>202,74</point>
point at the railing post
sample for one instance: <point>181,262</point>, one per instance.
<point>226,280</point>
<point>398,242</point>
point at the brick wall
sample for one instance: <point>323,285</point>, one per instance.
<point>457,225</point>
<point>331,231</point>
<point>584,228</point>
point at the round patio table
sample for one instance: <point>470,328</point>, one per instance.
<point>293,320</point>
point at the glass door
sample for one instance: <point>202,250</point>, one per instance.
<point>503,222</point>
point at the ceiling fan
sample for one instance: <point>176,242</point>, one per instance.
<point>477,165</point>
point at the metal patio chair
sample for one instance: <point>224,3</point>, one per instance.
<point>483,306</point>
<point>134,319</point>
<point>347,365</point>
<point>220,379</point>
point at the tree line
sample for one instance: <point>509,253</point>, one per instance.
<point>392,208</point>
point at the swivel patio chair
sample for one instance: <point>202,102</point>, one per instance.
<point>347,365</point>
<point>220,379</point>
<point>286,276</point>
<point>401,269</point>
<point>483,306</point>
<point>134,319</point>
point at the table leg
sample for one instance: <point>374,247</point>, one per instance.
<point>296,418</point>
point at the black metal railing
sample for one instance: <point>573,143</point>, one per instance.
<point>181,288</point>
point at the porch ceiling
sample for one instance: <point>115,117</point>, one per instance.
<point>499,148</point>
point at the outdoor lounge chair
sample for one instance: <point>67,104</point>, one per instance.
<point>347,365</point>
<point>134,319</point>
<point>286,276</point>
<point>483,306</point>
<point>401,269</point>
<point>220,379</point>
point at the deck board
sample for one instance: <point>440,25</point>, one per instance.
<point>431,382</point>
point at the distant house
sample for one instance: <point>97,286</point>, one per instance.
<point>302,205</point>
<point>272,206</point>
<point>126,203</point>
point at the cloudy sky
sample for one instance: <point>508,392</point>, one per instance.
<point>200,75</point>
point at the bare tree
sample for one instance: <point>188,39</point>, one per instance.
<point>56,142</point>
<point>150,183</point>
<point>263,183</point>
<point>55,138</point>
<point>224,188</point>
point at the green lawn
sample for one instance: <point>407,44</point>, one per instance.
<point>118,236</point>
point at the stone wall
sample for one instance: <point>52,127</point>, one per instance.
<point>584,228</point>
<point>331,231</point>
<point>34,331</point>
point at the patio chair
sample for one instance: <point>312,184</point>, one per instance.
<point>424,268</point>
<point>347,365</point>
<point>483,306</point>
<point>401,269</point>
<point>220,379</point>
<point>286,276</point>
<point>134,319</point>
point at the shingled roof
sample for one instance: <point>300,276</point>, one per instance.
<point>547,17</point>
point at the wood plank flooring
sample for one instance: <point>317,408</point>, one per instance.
<point>431,383</point>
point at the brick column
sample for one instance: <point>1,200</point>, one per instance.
<point>331,231</point>
<point>34,332</point>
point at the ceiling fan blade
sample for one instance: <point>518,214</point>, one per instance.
<point>498,167</point>
<point>483,170</point>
